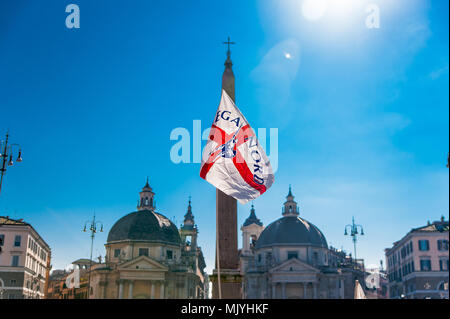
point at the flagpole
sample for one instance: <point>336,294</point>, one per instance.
<point>217,255</point>
<point>227,85</point>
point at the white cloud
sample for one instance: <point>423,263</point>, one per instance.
<point>387,123</point>
<point>416,35</point>
<point>438,73</point>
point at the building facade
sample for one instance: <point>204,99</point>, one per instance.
<point>376,284</point>
<point>418,264</point>
<point>290,259</point>
<point>148,257</point>
<point>70,284</point>
<point>24,260</point>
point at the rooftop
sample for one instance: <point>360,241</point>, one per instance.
<point>5,220</point>
<point>438,226</point>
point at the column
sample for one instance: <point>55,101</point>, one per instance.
<point>274,291</point>
<point>120,289</point>
<point>161,290</point>
<point>338,293</point>
<point>315,290</point>
<point>283,290</point>
<point>304,290</point>
<point>130,289</point>
<point>152,293</point>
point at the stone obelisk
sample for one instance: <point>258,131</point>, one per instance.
<point>226,209</point>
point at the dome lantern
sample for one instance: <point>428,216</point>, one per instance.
<point>146,201</point>
<point>290,206</point>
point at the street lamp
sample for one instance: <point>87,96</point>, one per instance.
<point>354,232</point>
<point>92,226</point>
<point>6,156</point>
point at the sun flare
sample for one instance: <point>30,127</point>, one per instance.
<point>314,9</point>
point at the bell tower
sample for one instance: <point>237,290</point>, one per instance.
<point>251,230</point>
<point>189,229</point>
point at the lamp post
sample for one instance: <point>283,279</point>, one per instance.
<point>92,224</point>
<point>6,156</point>
<point>354,232</point>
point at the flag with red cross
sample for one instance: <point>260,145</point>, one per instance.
<point>233,160</point>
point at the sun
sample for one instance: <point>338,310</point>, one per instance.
<point>314,9</point>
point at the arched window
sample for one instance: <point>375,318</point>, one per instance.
<point>253,240</point>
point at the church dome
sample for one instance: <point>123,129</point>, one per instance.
<point>291,231</point>
<point>144,225</point>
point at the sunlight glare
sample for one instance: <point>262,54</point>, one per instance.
<point>314,9</point>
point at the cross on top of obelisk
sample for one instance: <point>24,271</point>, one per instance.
<point>229,43</point>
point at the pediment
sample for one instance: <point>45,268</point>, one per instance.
<point>294,265</point>
<point>143,263</point>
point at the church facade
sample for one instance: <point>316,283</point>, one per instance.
<point>148,257</point>
<point>290,259</point>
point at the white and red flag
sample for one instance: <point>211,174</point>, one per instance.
<point>233,161</point>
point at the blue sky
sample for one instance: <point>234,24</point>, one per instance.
<point>362,114</point>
